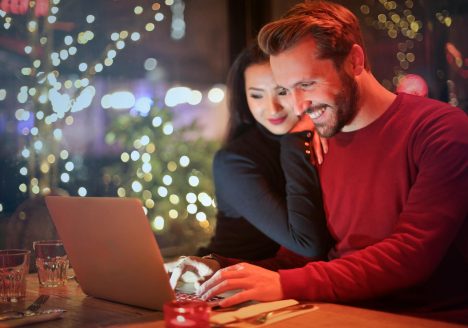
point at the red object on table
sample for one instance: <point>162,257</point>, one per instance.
<point>187,314</point>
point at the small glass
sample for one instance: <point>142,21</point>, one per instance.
<point>51,262</point>
<point>14,266</point>
<point>187,314</point>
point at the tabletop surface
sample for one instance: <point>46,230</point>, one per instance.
<point>84,311</point>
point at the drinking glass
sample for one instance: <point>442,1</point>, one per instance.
<point>51,262</point>
<point>14,266</point>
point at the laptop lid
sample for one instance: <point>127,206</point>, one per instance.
<point>112,249</point>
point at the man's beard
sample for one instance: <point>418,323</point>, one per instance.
<point>344,109</point>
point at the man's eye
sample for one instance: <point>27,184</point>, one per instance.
<point>307,85</point>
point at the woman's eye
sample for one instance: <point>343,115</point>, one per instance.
<point>255,96</point>
<point>282,92</point>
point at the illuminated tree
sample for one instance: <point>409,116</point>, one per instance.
<point>59,61</point>
<point>169,170</point>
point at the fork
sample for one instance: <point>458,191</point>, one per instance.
<point>263,317</point>
<point>30,310</point>
<point>36,305</point>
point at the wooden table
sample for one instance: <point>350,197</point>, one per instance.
<point>83,311</point>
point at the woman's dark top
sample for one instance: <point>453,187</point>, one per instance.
<point>268,194</point>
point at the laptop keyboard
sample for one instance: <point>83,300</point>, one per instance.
<point>180,296</point>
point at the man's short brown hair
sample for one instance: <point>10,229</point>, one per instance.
<point>334,28</point>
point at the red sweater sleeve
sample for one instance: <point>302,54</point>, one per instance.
<point>432,217</point>
<point>283,259</point>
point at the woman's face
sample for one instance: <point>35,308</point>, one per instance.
<point>266,100</point>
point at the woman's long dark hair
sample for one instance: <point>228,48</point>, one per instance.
<point>240,117</point>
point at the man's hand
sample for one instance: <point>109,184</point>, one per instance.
<point>255,282</point>
<point>191,269</point>
<point>319,145</point>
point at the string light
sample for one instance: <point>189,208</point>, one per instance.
<point>400,23</point>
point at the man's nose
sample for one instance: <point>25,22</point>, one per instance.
<point>300,103</point>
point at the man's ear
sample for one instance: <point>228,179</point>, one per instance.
<point>355,60</point>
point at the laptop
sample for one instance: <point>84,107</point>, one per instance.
<point>112,249</point>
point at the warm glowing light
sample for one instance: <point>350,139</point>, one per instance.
<point>216,95</point>
<point>143,105</point>
<point>150,64</point>
<point>162,191</point>
<point>121,192</point>
<point>168,128</point>
<point>149,203</point>
<point>174,199</point>
<point>69,166</point>
<point>204,199</point>
<point>195,97</point>
<point>83,67</point>
<point>22,187</point>
<point>118,100</point>
<point>64,154</point>
<point>51,158</point>
<point>191,197</point>
<point>65,177</point>
<point>177,95</point>
<point>58,134</point>
<point>159,17</point>
<point>173,214</point>
<point>120,44</point>
<point>138,10</point>
<point>38,145</point>
<point>136,186</point>
<point>45,167</point>
<point>184,161</point>
<point>25,153</point>
<point>172,166</point>
<point>135,155</point>
<point>193,181</point>
<point>157,121</point>
<point>135,36</point>
<point>145,157</point>
<point>192,208</point>
<point>158,223</point>
<point>200,216</point>
<point>124,157</point>
<point>146,167</point>
<point>149,27</point>
<point>167,180</point>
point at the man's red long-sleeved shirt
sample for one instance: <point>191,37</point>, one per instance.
<point>396,198</point>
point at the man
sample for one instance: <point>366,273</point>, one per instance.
<point>394,181</point>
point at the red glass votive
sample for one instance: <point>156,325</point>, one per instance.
<point>187,314</point>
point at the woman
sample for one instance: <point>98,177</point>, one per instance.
<point>267,191</point>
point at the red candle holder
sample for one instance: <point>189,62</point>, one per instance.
<point>187,314</point>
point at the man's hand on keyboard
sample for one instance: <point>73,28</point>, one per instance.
<point>191,269</point>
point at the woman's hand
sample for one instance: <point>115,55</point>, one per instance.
<point>319,145</point>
